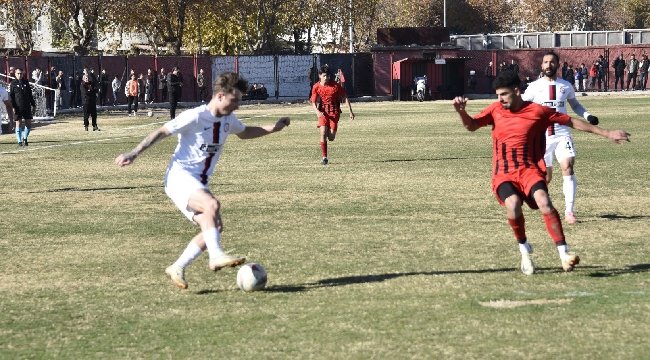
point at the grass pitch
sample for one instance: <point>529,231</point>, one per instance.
<point>397,249</point>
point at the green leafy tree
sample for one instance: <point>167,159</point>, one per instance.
<point>21,18</point>
<point>79,19</point>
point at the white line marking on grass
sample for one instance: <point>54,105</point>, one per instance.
<point>511,304</point>
<point>66,144</point>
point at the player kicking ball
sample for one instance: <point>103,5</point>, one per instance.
<point>331,96</point>
<point>202,133</point>
<point>519,170</point>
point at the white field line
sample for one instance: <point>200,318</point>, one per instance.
<point>36,148</point>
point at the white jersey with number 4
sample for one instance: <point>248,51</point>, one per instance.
<point>201,137</point>
<point>554,94</point>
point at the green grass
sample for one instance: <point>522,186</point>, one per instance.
<point>394,250</point>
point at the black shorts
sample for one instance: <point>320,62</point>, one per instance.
<point>506,190</point>
<point>23,115</point>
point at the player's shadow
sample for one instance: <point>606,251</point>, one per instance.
<point>629,269</point>
<point>363,279</point>
<point>623,217</point>
<point>432,159</point>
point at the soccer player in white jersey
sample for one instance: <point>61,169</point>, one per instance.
<point>202,133</point>
<point>555,92</point>
<point>4,97</point>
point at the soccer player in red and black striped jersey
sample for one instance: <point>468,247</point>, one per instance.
<point>518,168</point>
<point>331,96</point>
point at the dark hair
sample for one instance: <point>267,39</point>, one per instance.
<point>552,53</point>
<point>507,79</point>
<point>227,83</point>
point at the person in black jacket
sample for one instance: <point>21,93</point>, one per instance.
<point>24,106</point>
<point>89,99</point>
<point>173,91</point>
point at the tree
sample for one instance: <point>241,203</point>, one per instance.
<point>21,17</point>
<point>79,18</point>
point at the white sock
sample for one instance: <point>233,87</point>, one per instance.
<point>569,187</point>
<point>525,248</point>
<point>190,254</point>
<point>563,250</point>
<point>212,238</point>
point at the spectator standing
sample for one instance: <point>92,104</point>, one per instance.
<point>89,100</point>
<point>115,86</point>
<point>489,74</point>
<point>632,71</point>
<point>103,88</point>
<point>37,76</point>
<point>150,87</point>
<point>643,72</point>
<point>619,71</point>
<point>565,68</point>
<point>24,106</point>
<point>131,92</point>
<point>585,76</point>
<point>141,87</point>
<point>570,74</point>
<point>603,67</point>
<point>577,74</point>
<point>173,91</point>
<point>593,76</point>
<point>72,90</point>
<point>162,85</point>
<point>62,89</point>
<point>200,83</point>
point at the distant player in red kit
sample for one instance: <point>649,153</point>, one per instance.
<point>518,168</point>
<point>331,96</point>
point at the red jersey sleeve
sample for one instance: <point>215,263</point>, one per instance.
<point>485,117</point>
<point>314,93</point>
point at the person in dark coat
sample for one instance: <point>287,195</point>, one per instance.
<point>174,86</point>
<point>24,105</point>
<point>89,98</point>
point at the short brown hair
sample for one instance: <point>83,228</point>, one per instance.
<point>229,81</point>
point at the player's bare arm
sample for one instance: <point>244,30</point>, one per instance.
<point>10,111</point>
<point>128,157</point>
<point>318,112</point>
<point>252,132</point>
<point>617,136</point>
<point>459,103</point>
<point>349,108</point>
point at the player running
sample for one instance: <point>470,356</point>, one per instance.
<point>518,176</point>
<point>329,109</point>
<point>555,92</point>
<point>202,134</point>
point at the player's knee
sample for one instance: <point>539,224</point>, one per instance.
<point>512,204</point>
<point>213,206</point>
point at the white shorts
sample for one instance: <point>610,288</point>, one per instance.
<point>560,146</point>
<point>179,186</point>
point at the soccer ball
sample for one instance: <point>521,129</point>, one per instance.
<point>251,277</point>
<point>150,113</point>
